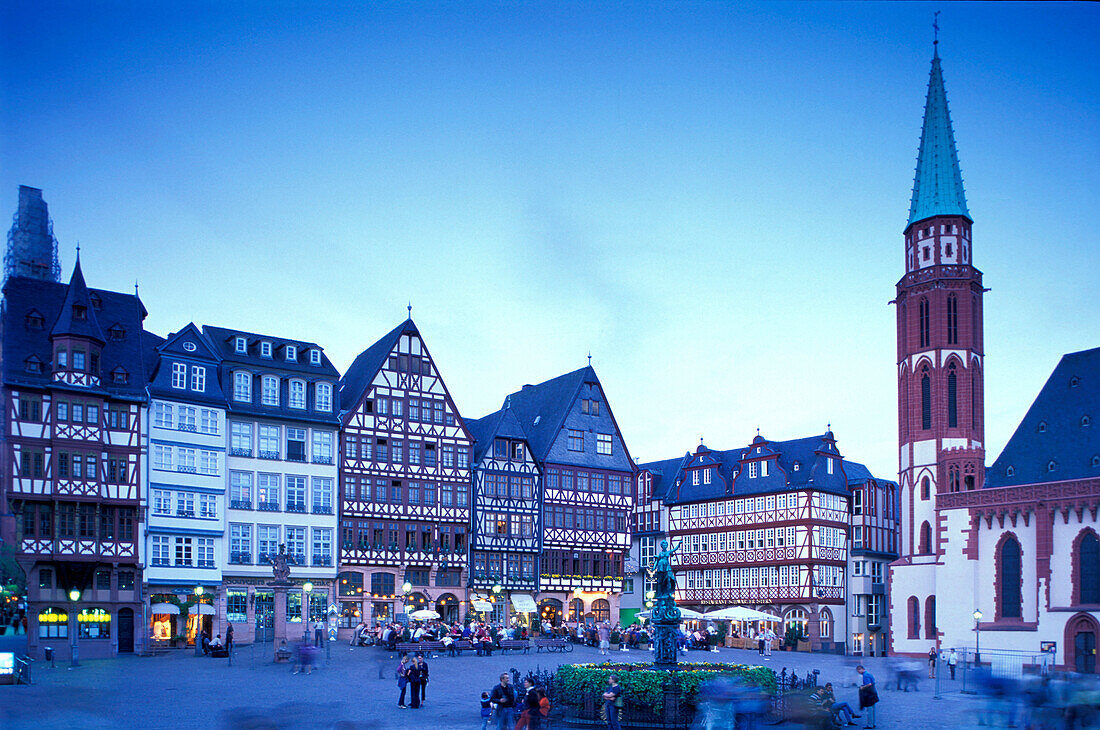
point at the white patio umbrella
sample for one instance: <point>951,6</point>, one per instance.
<point>424,614</point>
<point>164,608</point>
<point>684,613</point>
<point>739,613</point>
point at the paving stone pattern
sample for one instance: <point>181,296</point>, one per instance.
<point>179,690</point>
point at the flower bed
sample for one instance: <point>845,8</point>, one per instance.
<point>645,687</point>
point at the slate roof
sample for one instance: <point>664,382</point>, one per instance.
<point>937,184</point>
<point>502,423</point>
<point>812,473</point>
<point>547,403</point>
<point>359,375</point>
<point>117,311</point>
<point>1061,428</point>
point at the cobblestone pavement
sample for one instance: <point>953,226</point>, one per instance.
<point>179,690</point>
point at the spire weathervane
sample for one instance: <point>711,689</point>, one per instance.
<point>936,28</point>
<point>589,358</point>
<point>410,309</point>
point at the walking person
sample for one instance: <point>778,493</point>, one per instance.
<point>868,695</point>
<point>952,660</point>
<point>504,698</point>
<point>932,663</point>
<point>605,638</point>
<point>486,710</point>
<point>414,674</point>
<point>769,639</point>
<point>318,634</point>
<point>229,638</point>
<point>613,703</point>
<point>402,680</point>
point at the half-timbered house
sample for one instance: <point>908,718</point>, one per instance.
<point>74,368</point>
<point>764,526</point>
<point>506,526</point>
<point>588,494</point>
<point>184,541</point>
<point>282,436</point>
<point>404,484</point>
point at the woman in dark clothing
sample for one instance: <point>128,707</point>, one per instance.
<point>414,676</point>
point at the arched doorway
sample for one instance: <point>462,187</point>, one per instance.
<point>447,608</point>
<point>415,602</point>
<point>1081,633</point>
<point>550,610</point>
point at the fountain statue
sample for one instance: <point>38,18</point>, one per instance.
<point>665,614</point>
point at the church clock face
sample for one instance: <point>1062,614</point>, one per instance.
<point>630,565</point>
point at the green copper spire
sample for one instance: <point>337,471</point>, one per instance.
<point>938,187</point>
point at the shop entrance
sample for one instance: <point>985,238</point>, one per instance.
<point>264,606</point>
<point>126,631</point>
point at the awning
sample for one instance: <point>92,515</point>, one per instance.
<point>481,606</point>
<point>524,603</point>
<point>202,609</point>
<point>164,608</point>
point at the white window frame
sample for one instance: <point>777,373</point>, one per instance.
<point>296,394</point>
<point>208,462</point>
<point>162,456</point>
<point>754,469</point>
<point>208,421</point>
<point>161,500</point>
<point>291,353</point>
<point>322,396</point>
<point>269,390</point>
<point>179,375</point>
<point>315,357</point>
<point>198,378</point>
<point>604,444</point>
<point>265,349</point>
<point>163,416</point>
<point>240,344</point>
<point>242,386</point>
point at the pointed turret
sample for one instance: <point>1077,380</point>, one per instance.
<point>938,186</point>
<point>77,317</point>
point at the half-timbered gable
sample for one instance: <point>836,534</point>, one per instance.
<point>281,471</point>
<point>74,370</point>
<point>588,490</point>
<point>765,525</point>
<point>184,543</point>
<point>405,477</point>
<point>506,538</point>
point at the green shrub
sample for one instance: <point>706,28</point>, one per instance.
<point>722,631</point>
<point>644,686</point>
<point>793,635</point>
<point>616,637</point>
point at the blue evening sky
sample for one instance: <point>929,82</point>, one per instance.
<point>708,197</point>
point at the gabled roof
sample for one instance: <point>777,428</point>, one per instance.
<point>1060,435</point>
<point>541,409</point>
<point>937,185</point>
<point>359,376</point>
<point>664,475</point>
<point>134,351</point>
<point>501,424</point>
<point>77,296</point>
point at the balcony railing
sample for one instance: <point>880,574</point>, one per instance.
<point>160,562</point>
<point>207,564</point>
<point>187,427</point>
<point>322,459</point>
<point>240,504</point>
<point>185,513</point>
<point>240,558</point>
<point>185,469</point>
<point>268,454</point>
<point>296,507</point>
<point>240,452</point>
<point>267,506</point>
<point>322,561</point>
<point>321,510</point>
<point>296,457</point>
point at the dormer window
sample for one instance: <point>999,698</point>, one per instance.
<point>1096,460</point>
<point>265,349</point>
<point>695,476</point>
<point>1042,427</point>
<point>1010,471</point>
<point>1086,421</point>
<point>297,394</point>
<point>34,320</point>
<point>97,303</point>
<point>119,375</point>
<point>80,312</point>
<point>797,466</point>
<point>754,469</point>
<point>764,468</point>
<point>116,333</point>
<point>315,357</point>
<point>1052,465</point>
<point>33,364</point>
<point>1074,381</point>
<point>179,375</point>
<point>240,345</point>
<point>62,359</point>
<point>189,346</point>
<point>269,395</point>
<point>707,476</point>
<point>291,353</point>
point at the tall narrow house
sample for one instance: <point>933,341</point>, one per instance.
<point>74,384</point>
<point>405,485</point>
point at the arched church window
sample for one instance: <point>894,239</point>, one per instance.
<point>914,618</point>
<point>925,547</point>
<point>953,478</point>
<point>930,617</point>
<point>925,488</point>
<point>1088,569</point>
<point>952,318</point>
<point>925,401</point>
<point>1010,579</point>
<point>923,322</point>
<point>952,397</point>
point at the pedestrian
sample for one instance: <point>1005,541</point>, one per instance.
<point>769,639</point>
<point>423,674</point>
<point>932,663</point>
<point>760,642</point>
<point>486,710</point>
<point>952,660</point>
<point>605,638</point>
<point>414,674</point>
<point>402,680</point>
<point>229,638</point>
<point>868,695</point>
<point>504,700</point>
<point>613,703</point>
<point>527,705</point>
<point>318,634</point>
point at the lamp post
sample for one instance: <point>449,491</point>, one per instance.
<point>74,596</point>
<point>977,637</point>
<point>307,588</point>
<point>496,593</point>
<point>198,620</point>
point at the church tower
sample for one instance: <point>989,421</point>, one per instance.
<point>940,366</point>
<point>32,249</point>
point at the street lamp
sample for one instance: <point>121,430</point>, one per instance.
<point>307,588</point>
<point>406,589</point>
<point>74,596</point>
<point>198,619</point>
<point>977,637</point>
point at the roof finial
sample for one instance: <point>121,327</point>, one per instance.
<point>757,430</point>
<point>410,309</point>
<point>135,287</point>
<point>78,252</point>
<point>589,358</point>
<point>936,28</point>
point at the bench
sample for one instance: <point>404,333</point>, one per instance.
<point>552,645</point>
<point>523,645</point>
<point>414,646</point>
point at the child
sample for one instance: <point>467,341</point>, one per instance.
<point>486,710</point>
